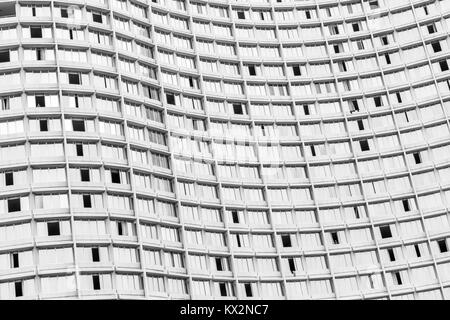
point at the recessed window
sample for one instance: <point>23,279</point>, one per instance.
<point>237,108</point>
<point>417,249</point>
<point>15,260</point>
<point>296,70</point>
<point>95,255</point>
<point>399,97</point>
<point>40,101</point>
<point>398,278</point>
<point>248,290</point>
<point>79,148</point>
<point>354,106</point>
<point>87,201</point>
<point>291,264</point>
<point>241,15</point>
<point>96,17</point>
<point>391,254</point>
<point>406,206</point>
<point>286,241</point>
<point>436,47</point>
<point>385,232</point>
<point>388,58</point>
<point>306,109</point>
<point>442,246</point>
<point>364,144</point>
<point>219,266</point>
<point>308,14</point>
<point>4,56</point>
<point>9,179</point>
<point>335,238</point>
<point>36,32</point>
<point>85,175</point>
<point>64,13</point>
<point>74,78</point>
<point>360,125</point>
<point>43,125</point>
<point>120,230</point>
<point>14,205</point>
<point>431,28</point>
<point>235,216</point>
<point>170,98</point>
<point>115,176</point>
<point>251,70</point>
<point>78,125</point>
<point>53,229</point>
<point>443,65</point>
<point>384,40</point>
<point>313,150</point>
<point>374,5</point>
<point>223,289</point>
<point>18,288</point>
<point>96,282</point>
<point>417,158</point>
<point>355,27</point>
<point>356,211</point>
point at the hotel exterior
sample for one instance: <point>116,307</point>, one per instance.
<point>192,149</point>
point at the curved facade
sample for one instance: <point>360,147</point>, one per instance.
<point>190,149</point>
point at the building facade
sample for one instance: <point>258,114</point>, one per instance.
<point>192,149</point>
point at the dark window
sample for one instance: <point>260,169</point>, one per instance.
<point>96,282</point>
<point>241,15</point>
<point>191,82</point>
<point>39,55</point>
<point>354,106</point>
<point>388,58</point>
<point>406,206</point>
<point>77,104</point>
<point>248,290</point>
<point>14,205</point>
<point>238,240</point>
<point>79,148</point>
<point>342,66</point>
<point>95,255</point>
<point>378,102</point>
<point>53,229</point>
<point>74,78</point>
<point>399,97</point>
<point>64,13</point>
<point>355,27</point>
<point>223,289</point>
<point>119,228</point>
<point>436,47</point>
<point>286,241</point>
<point>84,175</point>
<point>4,56</point>
<point>384,40</point>
<point>235,216</point>
<point>336,48</point>
<point>364,144</point>
<point>43,125</point>
<point>417,158</point>
<point>115,176</point>
<point>308,14</point>
<point>360,125</point>
<point>237,108</point>
<point>431,29</point>
<point>398,277</point>
<point>391,254</point>
<point>385,232</point>
<point>36,32</point>
<point>96,17</point>
<point>33,11</point>
<point>443,65</point>
<point>170,98</point>
<point>334,237</point>
<point>219,265</point>
<point>291,265</point>
<point>313,150</point>
<point>306,109</point>
<point>417,249</point>
<point>15,260</point>
<point>251,70</point>
<point>355,209</point>
<point>87,201</point>
<point>442,246</point>
<point>296,70</point>
<point>71,34</point>
<point>18,288</point>
<point>78,125</point>
<point>9,178</point>
<point>40,101</point>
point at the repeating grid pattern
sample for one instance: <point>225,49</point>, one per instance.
<point>224,149</point>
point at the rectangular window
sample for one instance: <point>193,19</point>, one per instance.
<point>87,201</point>
<point>95,255</point>
<point>18,288</point>
<point>4,56</point>
<point>36,32</point>
<point>53,229</point>
<point>9,179</point>
<point>14,205</point>
<point>385,232</point>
